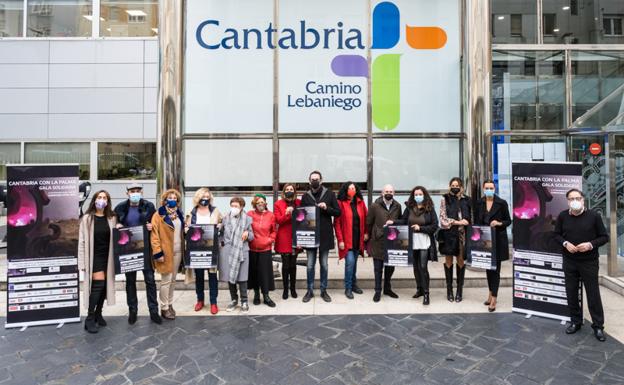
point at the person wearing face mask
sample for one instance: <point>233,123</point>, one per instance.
<point>136,211</point>
<point>455,215</point>
<point>235,234</point>
<point>283,209</point>
<point>204,213</point>
<point>351,233</point>
<point>493,211</point>
<point>260,255</point>
<point>385,209</point>
<point>581,232</point>
<point>322,197</point>
<point>421,217</point>
<point>95,258</point>
<point>167,240</point>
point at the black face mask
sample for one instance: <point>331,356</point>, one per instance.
<point>388,197</point>
<point>204,202</point>
<point>315,184</point>
<point>455,190</point>
<point>289,194</point>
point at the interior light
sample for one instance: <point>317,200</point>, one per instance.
<point>501,18</point>
<point>135,12</point>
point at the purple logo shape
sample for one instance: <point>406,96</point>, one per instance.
<point>393,233</point>
<point>476,234</point>
<point>301,214</point>
<point>196,234</point>
<point>124,237</point>
<point>350,66</point>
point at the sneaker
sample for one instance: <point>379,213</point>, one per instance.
<point>244,307</point>
<point>325,296</point>
<point>232,306</point>
<point>214,309</point>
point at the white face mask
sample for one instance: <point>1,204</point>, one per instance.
<point>576,205</point>
<point>235,211</point>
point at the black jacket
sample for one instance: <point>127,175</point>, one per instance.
<point>453,207</point>
<point>498,212</point>
<point>326,221</point>
<point>430,227</point>
<point>146,211</point>
<point>377,217</point>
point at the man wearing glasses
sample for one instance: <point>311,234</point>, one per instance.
<point>581,232</point>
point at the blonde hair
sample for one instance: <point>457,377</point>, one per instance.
<point>164,195</point>
<point>199,194</point>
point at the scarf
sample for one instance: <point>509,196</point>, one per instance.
<point>173,213</point>
<point>236,257</point>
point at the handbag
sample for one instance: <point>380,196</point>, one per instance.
<point>448,241</point>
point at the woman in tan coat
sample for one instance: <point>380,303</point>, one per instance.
<point>167,239</point>
<point>95,258</point>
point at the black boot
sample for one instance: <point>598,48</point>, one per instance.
<point>426,298</point>
<point>293,280</point>
<point>268,301</point>
<point>460,282</point>
<point>256,299</point>
<point>94,296</point>
<point>100,304</point>
<point>285,279</point>
<point>448,273</point>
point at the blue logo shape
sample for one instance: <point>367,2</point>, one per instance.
<point>386,25</point>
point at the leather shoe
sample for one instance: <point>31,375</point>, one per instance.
<point>390,293</point>
<point>599,334</point>
<point>268,301</point>
<point>132,317</point>
<point>256,299</point>
<point>285,294</point>
<point>155,318</point>
<point>199,305</point>
<point>308,296</point>
<point>325,296</point>
<point>349,294</point>
<point>573,328</point>
<point>357,290</point>
<point>426,299</point>
<point>377,296</point>
<point>167,314</point>
<point>419,293</point>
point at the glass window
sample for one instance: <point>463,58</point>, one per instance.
<point>514,21</point>
<point>9,154</point>
<point>11,18</point>
<point>528,90</point>
<point>59,153</point>
<point>59,18</point>
<point>126,161</point>
<point>129,18</point>
<point>339,160</point>
<point>583,22</point>
<point>405,163</point>
<point>595,75</point>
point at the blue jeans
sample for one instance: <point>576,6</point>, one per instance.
<point>351,259</point>
<point>312,253</point>
<point>213,285</point>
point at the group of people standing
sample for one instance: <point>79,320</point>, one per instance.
<point>248,238</point>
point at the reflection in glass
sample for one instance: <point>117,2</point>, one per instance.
<point>9,154</point>
<point>528,90</point>
<point>11,18</point>
<point>126,161</point>
<point>583,22</point>
<point>514,21</point>
<point>59,18</point>
<point>129,18</point>
<point>59,153</point>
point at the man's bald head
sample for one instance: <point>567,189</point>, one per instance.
<point>388,189</point>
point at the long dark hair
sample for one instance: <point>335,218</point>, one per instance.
<point>342,194</point>
<point>108,211</point>
<point>427,203</point>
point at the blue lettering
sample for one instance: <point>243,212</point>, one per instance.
<point>198,34</point>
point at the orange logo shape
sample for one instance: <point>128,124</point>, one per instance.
<point>425,37</point>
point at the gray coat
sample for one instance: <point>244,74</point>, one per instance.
<point>225,236</point>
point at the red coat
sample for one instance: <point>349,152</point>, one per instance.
<point>343,226</point>
<point>283,242</point>
<point>264,231</point>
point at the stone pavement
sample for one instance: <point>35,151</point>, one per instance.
<point>500,348</point>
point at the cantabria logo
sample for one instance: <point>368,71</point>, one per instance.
<point>385,68</point>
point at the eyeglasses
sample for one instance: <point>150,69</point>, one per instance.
<point>575,199</point>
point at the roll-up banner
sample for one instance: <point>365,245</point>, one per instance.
<point>42,245</point>
<point>539,195</point>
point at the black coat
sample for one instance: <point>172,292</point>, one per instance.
<point>498,212</point>
<point>326,220</point>
<point>146,211</point>
<point>430,227</point>
<point>453,207</point>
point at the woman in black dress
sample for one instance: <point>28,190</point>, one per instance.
<point>95,258</point>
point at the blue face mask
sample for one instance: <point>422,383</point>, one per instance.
<point>489,193</point>
<point>135,197</point>
<point>172,203</point>
<point>419,198</point>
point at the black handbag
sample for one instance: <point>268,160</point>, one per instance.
<point>448,241</point>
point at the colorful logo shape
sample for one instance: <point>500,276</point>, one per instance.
<point>386,68</point>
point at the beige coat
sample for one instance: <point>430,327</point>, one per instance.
<point>85,259</point>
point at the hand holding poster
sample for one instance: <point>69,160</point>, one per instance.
<point>202,247</point>
<point>306,227</point>
<point>398,244</point>
<point>130,249</point>
<point>481,248</point>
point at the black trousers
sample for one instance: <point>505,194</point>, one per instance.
<point>387,272</point>
<point>587,271</point>
<point>421,273</point>
<point>493,279</point>
<point>150,291</point>
<point>261,272</point>
<point>289,271</point>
